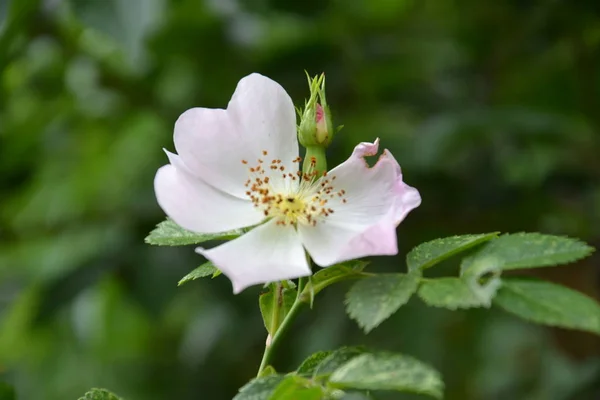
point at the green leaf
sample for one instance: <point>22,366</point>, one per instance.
<point>386,371</point>
<point>274,306</point>
<point>430,253</point>
<point>7,392</point>
<point>259,388</point>
<point>336,359</point>
<point>267,371</point>
<point>530,250</point>
<point>99,394</point>
<point>309,365</point>
<point>373,300</point>
<point>202,271</point>
<point>295,387</point>
<point>451,293</point>
<point>476,277</point>
<point>336,273</point>
<point>168,233</point>
<point>549,304</point>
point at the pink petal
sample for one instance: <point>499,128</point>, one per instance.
<point>260,118</point>
<point>197,206</point>
<point>377,201</point>
<point>267,253</point>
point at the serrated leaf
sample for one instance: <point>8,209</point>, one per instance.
<point>99,394</point>
<point>549,304</point>
<point>386,371</point>
<point>206,269</point>
<point>295,387</point>
<point>373,300</point>
<point>274,306</point>
<point>259,388</point>
<point>336,273</point>
<point>168,233</point>
<point>309,365</point>
<point>531,250</point>
<point>336,359</point>
<point>430,253</point>
<point>451,293</point>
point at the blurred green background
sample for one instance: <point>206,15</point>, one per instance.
<point>491,107</point>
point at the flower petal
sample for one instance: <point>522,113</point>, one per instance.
<point>260,118</point>
<point>197,206</point>
<point>267,253</point>
<point>376,201</point>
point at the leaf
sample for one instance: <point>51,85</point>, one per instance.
<point>7,392</point>
<point>309,365</point>
<point>373,300</point>
<point>336,273</point>
<point>99,394</point>
<point>531,250</point>
<point>549,304</point>
<point>202,271</point>
<point>295,387</point>
<point>168,233</point>
<point>484,288</point>
<point>259,388</point>
<point>451,293</point>
<point>274,306</point>
<point>430,253</point>
<point>336,359</point>
<point>267,371</point>
<point>386,371</point>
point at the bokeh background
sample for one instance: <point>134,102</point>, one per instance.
<point>491,107</point>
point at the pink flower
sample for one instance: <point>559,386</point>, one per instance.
<point>239,167</point>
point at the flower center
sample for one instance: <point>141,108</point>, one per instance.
<point>291,198</point>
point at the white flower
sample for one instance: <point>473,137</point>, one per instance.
<point>240,167</point>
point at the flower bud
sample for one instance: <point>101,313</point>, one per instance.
<point>316,127</point>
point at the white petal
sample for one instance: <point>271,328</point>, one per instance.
<point>267,253</point>
<point>260,117</point>
<point>197,206</point>
<point>377,200</point>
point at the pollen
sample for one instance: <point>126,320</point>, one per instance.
<point>292,198</point>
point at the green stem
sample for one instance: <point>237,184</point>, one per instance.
<point>283,328</point>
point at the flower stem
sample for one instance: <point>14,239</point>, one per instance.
<point>271,345</point>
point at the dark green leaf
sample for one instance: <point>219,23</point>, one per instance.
<point>295,387</point>
<point>385,371</point>
<point>311,362</point>
<point>530,250</point>
<point>206,269</point>
<point>373,300</point>
<point>274,306</point>
<point>336,359</point>
<point>430,253</point>
<point>99,394</point>
<point>168,233</point>
<point>259,388</point>
<point>549,304</point>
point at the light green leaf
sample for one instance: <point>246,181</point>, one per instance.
<point>451,293</point>
<point>259,388</point>
<point>373,300</point>
<point>99,394</point>
<point>530,250</point>
<point>202,271</point>
<point>336,273</point>
<point>430,253</point>
<point>309,365</point>
<point>336,359</point>
<point>386,371</point>
<point>267,371</point>
<point>168,233</point>
<point>274,306</point>
<point>295,387</point>
<point>549,304</point>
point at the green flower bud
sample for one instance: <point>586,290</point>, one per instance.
<point>316,127</point>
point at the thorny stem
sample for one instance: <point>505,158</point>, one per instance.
<point>272,344</point>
